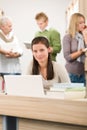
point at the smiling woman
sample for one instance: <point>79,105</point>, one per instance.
<point>42,64</point>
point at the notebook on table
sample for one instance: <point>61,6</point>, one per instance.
<point>24,85</point>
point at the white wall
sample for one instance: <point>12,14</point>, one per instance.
<point>23,12</point>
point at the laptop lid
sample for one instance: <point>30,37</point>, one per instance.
<point>24,85</point>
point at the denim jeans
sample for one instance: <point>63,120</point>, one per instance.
<point>77,78</point>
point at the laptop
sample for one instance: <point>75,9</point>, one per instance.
<point>24,85</point>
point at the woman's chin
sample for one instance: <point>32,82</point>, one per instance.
<point>40,60</point>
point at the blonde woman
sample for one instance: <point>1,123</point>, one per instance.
<point>74,44</point>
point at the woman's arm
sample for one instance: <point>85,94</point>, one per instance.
<point>69,55</point>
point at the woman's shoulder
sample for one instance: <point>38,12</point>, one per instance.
<point>68,36</point>
<point>56,64</point>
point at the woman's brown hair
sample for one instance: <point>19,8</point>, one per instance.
<point>35,68</point>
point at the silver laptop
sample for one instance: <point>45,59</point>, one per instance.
<point>24,85</point>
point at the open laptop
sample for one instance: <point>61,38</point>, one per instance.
<point>24,85</point>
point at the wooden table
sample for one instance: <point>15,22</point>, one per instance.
<point>45,114</point>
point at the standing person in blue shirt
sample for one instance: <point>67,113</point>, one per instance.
<point>51,34</point>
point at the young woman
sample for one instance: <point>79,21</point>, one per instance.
<point>42,64</point>
<point>74,44</point>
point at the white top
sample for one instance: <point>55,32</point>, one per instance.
<point>10,65</point>
<point>60,75</point>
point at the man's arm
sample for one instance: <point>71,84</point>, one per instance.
<point>55,41</point>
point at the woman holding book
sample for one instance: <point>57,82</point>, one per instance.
<point>42,64</point>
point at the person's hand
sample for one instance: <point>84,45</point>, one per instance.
<point>84,50</point>
<point>9,54</point>
<point>84,32</point>
<point>12,54</point>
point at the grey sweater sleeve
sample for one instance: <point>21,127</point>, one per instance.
<point>67,47</point>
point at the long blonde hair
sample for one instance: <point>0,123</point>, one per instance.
<point>73,23</point>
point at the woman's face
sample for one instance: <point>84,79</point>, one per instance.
<point>81,24</point>
<point>40,52</point>
<point>7,28</point>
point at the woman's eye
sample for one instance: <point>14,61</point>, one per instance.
<point>34,51</point>
<point>42,50</point>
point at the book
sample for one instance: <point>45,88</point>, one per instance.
<point>67,85</point>
<point>67,91</point>
<point>27,45</point>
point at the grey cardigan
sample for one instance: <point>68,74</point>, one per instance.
<point>70,45</point>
